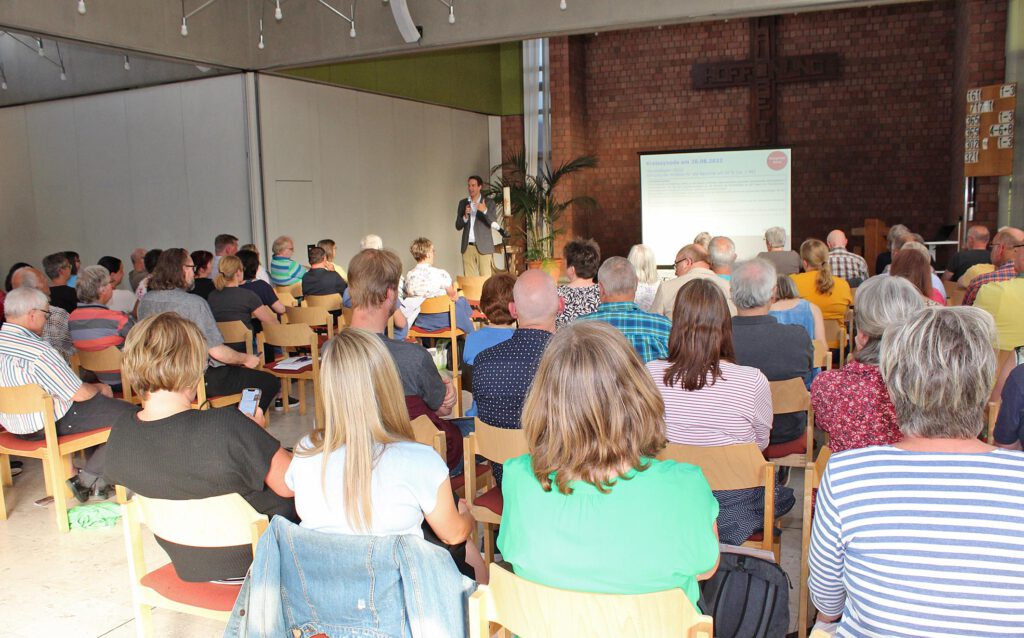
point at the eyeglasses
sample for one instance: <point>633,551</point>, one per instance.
<point>679,261</point>
<point>46,313</point>
<point>1016,246</point>
<point>192,266</point>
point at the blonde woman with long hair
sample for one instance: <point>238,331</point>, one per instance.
<point>818,285</point>
<point>642,258</point>
<point>230,302</point>
<point>362,472</point>
<point>590,508</point>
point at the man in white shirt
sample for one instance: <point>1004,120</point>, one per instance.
<point>474,216</point>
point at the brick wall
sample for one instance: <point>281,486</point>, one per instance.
<point>877,143</point>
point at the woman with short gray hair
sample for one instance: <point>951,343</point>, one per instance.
<point>786,262</point>
<point>852,404</point>
<point>908,539</point>
<point>93,325</point>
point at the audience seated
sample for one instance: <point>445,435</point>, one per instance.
<point>120,299</point>
<point>284,271</point>
<point>885,258</point>
<point>503,373</point>
<point>710,400</point>
<point>373,284</point>
<point>55,330</point>
<point>77,406</point>
<point>261,272</point>
<point>786,262</point>
<point>362,471</point>
<point>75,260</point>
<point>692,262</point>
<point>1009,430</point>
<point>93,325</point>
<point>779,351</point>
<point>790,309</point>
<point>251,281</point>
<point>913,241</point>
<point>648,281</point>
<point>331,249</point>
<point>8,284</point>
<point>171,451</point>
<point>230,371</point>
<point>149,260</point>
<point>321,278</point>
<point>203,284</point>
<point>915,539</point>
<point>230,302</point>
<point>852,404</point>
<point>722,252</point>
<point>495,302</point>
<point>1004,300</point>
<point>58,271</point>
<point>647,332</point>
<point>975,252</point>
<point>818,285</point>
<point>915,266</point>
<point>590,508</point>
<point>139,270</point>
<point>844,264</point>
<point>425,281</point>
<point>223,245</point>
<point>581,295</point>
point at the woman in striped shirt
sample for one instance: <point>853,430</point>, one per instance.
<point>924,538</point>
<point>709,400</point>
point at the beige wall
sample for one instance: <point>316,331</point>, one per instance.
<point>341,164</point>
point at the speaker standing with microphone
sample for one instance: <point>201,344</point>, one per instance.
<point>475,216</point>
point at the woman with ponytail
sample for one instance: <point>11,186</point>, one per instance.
<point>818,285</point>
<point>229,302</point>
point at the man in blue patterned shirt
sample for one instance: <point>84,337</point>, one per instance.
<point>646,331</point>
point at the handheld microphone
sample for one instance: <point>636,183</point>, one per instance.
<point>501,231</point>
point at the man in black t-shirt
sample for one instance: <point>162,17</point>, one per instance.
<point>321,279</point>
<point>58,271</point>
<point>975,252</point>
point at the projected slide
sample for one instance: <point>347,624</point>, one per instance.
<point>739,194</point>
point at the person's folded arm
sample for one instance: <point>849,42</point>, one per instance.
<point>451,523</point>
<point>265,315</point>
<point>232,357</point>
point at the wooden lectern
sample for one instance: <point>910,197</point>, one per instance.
<point>875,234</point>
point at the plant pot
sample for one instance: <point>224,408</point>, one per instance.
<point>553,266</point>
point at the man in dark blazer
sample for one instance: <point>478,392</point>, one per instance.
<point>474,217</point>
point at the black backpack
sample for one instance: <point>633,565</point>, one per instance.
<point>748,597</point>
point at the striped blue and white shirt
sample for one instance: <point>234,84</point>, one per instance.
<point>920,543</point>
<point>26,359</point>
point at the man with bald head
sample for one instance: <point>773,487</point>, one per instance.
<point>1002,258</point>
<point>55,331</point>
<point>692,262</point>
<point>975,252</point>
<point>647,332</point>
<point>844,264</point>
<point>502,374</point>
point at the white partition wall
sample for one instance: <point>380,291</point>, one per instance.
<point>341,164</point>
<point>156,167</point>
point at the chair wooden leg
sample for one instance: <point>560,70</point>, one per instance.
<point>488,545</point>
<point>144,621</point>
<point>302,397</point>
<point>285,387</point>
<point>47,479</point>
<point>5,470</point>
<point>60,490</point>
<point>3,505</point>
<point>68,470</point>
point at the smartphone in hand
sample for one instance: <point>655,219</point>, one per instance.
<point>250,401</point>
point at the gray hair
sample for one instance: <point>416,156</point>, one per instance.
<point>91,280</point>
<point>702,238</point>
<point>722,251</point>
<point>752,283</point>
<point>895,232</point>
<point>882,303</point>
<point>30,279</point>
<point>785,288</point>
<point>775,236</point>
<point>617,276</point>
<point>21,301</point>
<point>939,368</point>
<point>53,264</point>
<point>371,241</point>
<point>919,247</point>
<point>642,258</point>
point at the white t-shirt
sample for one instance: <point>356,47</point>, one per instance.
<point>403,489</point>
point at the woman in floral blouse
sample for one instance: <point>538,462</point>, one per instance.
<point>852,404</point>
<point>426,281</point>
<point>581,294</point>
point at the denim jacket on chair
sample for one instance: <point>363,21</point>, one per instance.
<point>303,583</point>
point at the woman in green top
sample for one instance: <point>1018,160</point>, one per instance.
<point>590,508</point>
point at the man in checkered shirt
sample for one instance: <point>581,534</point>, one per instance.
<point>844,264</point>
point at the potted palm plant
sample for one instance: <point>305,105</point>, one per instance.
<point>533,201</point>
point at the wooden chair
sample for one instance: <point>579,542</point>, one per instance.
<point>428,434</point>
<point>331,303</point>
<point>537,611</point>
<point>236,332</point>
<point>295,290</point>
<point>789,396</point>
<point>55,452</point>
<point>289,337</point>
<point>220,521</point>
<point>812,479</point>
<point>287,299</point>
<point>736,467</point>
<point>836,337</point>
<point>108,361</point>
<point>954,293</point>
<point>496,445</point>
<point>443,303</point>
<point>822,355</point>
<point>313,316</point>
<point>473,289</point>
<point>204,402</point>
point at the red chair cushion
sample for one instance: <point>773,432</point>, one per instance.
<point>756,537</point>
<point>779,450</point>
<point>11,442</point>
<point>272,367</point>
<point>165,582</point>
<point>492,500</point>
<point>460,480</point>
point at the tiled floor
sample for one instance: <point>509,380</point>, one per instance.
<point>76,584</point>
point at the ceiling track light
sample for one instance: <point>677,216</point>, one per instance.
<point>451,9</point>
<point>351,21</point>
<point>3,79</point>
<point>562,5</point>
<point>261,45</point>
<point>39,47</point>
<point>277,11</point>
<point>127,64</point>
<point>186,16</point>
<point>81,7</point>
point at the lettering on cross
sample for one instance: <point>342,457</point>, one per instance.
<point>762,72</point>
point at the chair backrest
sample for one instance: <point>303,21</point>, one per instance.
<point>288,335</point>
<point>835,330</point>
<point>330,302</point>
<point>440,303</point>
<point>428,434</point>
<point>822,355</point>
<point>295,290</point>
<point>498,444</point>
<point>726,467</point>
<point>824,454</point>
<point>236,332</point>
<point>538,611</point>
<point>954,293</point>
<point>287,299</point>
<point>472,287</point>
<point>790,395</point>
<point>219,521</point>
<point>28,399</point>
<point>313,316</point>
<point>105,360</point>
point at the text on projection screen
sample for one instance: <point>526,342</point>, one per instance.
<point>739,194</point>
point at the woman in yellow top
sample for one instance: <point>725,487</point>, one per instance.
<point>818,285</point>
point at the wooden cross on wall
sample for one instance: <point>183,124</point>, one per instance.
<point>761,72</point>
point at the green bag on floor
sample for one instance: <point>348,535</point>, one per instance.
<point>94,515</point>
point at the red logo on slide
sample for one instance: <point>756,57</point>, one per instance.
<point>777,160</point>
